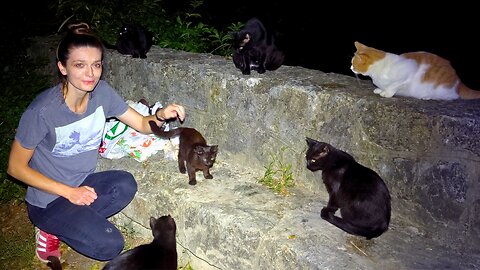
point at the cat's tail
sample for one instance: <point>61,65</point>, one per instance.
<point>466,93</point>
<point>368,233</point>
<point>160,132</point>
<point>54,263</point>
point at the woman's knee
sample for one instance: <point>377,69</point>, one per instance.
<point>109,248</point>
<point>126,183</point>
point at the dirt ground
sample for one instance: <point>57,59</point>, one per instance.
<point>17,244</point>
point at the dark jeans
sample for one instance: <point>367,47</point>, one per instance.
<point>86,228</point>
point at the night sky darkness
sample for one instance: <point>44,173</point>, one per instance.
<point>320,35</point>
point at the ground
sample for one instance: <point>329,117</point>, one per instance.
<point>17,243</point>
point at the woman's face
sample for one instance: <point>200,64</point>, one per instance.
<point>83,68</point>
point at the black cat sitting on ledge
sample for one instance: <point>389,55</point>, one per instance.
<point>133,40</point>
<point>254,49</point>
<point>359,192</point>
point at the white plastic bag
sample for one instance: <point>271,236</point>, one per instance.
<point>120,140</point>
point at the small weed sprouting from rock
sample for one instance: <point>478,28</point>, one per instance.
<point>278,174</point>
<point>186,267</point>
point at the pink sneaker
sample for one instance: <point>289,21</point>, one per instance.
<point>47,245</point>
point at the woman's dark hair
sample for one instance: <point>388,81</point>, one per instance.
<point>78,35</point>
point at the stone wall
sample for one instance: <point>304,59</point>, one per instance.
<point>427,151</point>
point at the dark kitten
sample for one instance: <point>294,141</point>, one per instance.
<point>359,193</point>
<point>133,40</point>
<point>254,49</point>
<point>194,153</point>
<point>161,253</point>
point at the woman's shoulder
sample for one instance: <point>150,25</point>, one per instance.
<point>46,98</point>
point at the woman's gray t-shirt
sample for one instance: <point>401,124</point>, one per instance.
<point>65,143</point>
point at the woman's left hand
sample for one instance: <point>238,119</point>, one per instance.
<point>172,111</point>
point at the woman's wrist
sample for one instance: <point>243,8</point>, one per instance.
<point>161,119</point>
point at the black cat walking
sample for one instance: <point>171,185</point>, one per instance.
<point>255,49</point>
<point>359,192</point>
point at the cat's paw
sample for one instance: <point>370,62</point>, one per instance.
<point>209,176</point>
<point>325,213</point>
<point>387,94</point>
<point>192,182</point>
<point>378,91</point>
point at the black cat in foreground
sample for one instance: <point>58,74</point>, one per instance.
<point>254,49</point>
<point>134,40</point>
<point>161,253</point>
<point>359,192</point>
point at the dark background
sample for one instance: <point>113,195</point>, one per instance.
<point>318,34</point>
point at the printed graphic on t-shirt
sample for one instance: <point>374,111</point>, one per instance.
<point>81,136</point>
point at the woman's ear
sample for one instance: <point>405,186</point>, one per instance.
<point>62,69</point>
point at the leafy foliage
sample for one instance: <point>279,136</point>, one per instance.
<point>176,30</point>
<point>20,84</point>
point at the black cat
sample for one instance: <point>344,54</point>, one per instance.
<point>134,40</point>
<point>359,192</point>
<point>254,49</point>
<point>161,253</point>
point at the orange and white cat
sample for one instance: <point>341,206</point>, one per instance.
<point>420,75</point>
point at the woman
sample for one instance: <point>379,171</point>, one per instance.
<point>55,153</point>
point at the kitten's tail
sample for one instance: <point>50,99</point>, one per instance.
<point>466,93</point>
<point>161,132</point>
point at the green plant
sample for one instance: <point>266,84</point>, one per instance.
<point>181,30</point>
<point>278,174</point>
<point>21,83</point>
<point>186,267</point>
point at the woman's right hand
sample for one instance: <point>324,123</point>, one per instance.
<point>82,195</point>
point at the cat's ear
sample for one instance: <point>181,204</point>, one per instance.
<point>214,148</point>
<point>153,221</point>
<point>310,141</point>
<point>359,45</point>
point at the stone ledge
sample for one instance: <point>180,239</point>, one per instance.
<point>426,151</point>
<point>233,222</point>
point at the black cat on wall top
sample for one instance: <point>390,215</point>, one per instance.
<point>134,40</point>
<point>359,192</point>
<point>254,49</point>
